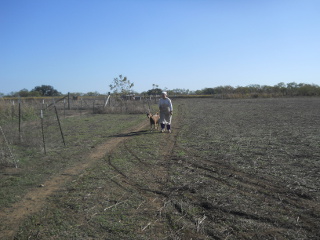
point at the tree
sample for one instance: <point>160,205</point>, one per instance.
<point>241,90</point>
<point>267,89</point>
<point>46,90</point>
<point>208,91</point>
<point>154,91</point>
<point>13,94</point>
<point>280,88</point>
<point>308,90</point>
<point>121,85</point>
<point>292,88</point>
<point>25,93</point>
<point>179,91</point>
<point>223,90</point>
<point>92,94</point>
<point>76,93</point>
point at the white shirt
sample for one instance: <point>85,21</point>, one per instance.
<point>165,105</point>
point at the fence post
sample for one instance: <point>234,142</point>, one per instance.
<point>19,116</point>
<point>68,100</point>
<point>106,101</point>
<point>81,107</point>
<point>149,106</point>
<point>55,108</point>
<point>20,137</point>
<point>43,139</point>
<point>64,107</point>
<point>12,110</point>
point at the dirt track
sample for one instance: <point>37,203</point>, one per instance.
<point>235,174</point>
<point>34,200</point>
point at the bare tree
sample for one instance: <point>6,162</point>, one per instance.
<point>121,85</point>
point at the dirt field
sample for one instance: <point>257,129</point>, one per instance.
<point>231,169</point>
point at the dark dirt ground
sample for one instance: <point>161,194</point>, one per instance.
<point>231,169</point>
<point>257,167</point>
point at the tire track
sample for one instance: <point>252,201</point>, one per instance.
<point>154,187</point>
<point>34,200</point>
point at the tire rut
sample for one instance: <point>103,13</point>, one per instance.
<point>34,200</point>
<point>154,189</point>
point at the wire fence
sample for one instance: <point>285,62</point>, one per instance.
<point>35,123</point>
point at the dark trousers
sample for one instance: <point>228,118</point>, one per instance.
<point>168,126</point>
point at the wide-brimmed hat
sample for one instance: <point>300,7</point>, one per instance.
<point>165,93</point>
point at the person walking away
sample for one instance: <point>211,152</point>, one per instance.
<point>165,107</point>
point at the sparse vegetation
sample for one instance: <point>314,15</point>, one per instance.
<point>255,90</point>
<point>237,169</point>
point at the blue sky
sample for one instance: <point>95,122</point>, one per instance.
<point>82,45</point>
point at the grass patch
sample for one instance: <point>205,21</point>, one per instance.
<point>81,135</point>
<point>238,173</point>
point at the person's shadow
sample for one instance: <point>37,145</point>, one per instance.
<point>137,133</point>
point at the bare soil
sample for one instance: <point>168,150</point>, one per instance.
<point>231,169</point>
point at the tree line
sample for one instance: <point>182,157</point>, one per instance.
<point>44,91</point>
<point>38,91</point>
<point>122,85</point>
<point>255,90</point>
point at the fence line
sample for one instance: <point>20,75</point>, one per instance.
<point>20,125</point>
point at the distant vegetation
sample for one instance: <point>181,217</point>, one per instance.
<point>122,85</point>
<point>251,91</point>
<point>38,91</point>
<point>279,90</point>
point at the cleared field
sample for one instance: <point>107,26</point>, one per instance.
<point>231,169</point>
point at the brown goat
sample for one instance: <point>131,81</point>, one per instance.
<point>154,120</point>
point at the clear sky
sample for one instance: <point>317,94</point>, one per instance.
<point>82,45</point>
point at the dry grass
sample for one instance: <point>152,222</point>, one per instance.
<point>118,105</point>
<point>21,123</point>
<point>247,170</point>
